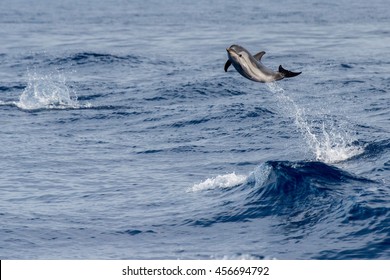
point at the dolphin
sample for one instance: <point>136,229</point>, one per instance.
<point>251,67</point>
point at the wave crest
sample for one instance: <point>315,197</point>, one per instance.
<point>303,191</point>
<point>220,181</point>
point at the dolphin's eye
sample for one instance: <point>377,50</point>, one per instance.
<point>240,55</point>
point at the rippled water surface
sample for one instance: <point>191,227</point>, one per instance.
<point>123,138</point>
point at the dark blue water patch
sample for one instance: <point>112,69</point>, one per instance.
<point>10,88</point>
<point>386,165</point>
<point>305,192</point>
<point>212,113</point>
<point>116,110</point>
<point>193,121</point>
<point>152,151</point>
<point>93,58</point>
<point>376,249</point>
<point>348,82</point>
<point>242,111</point>
<point>234,92</point>
<point>318,172</point>
<point>193,90</point>
<point>379,108</point>
<point>375,89</point>
<point>245,150</point>
<point>183,149</point>
<point>346,66</point>
<point>257,112</point>
<point>364,211</point>
<point>167,93</point>
<point>189,90</point>
<point>155,98</point>
<point>374,149</point>
<point>136,232</point>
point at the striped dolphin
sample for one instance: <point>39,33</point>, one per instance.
<point>251,67</point>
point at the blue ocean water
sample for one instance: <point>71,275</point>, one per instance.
<point>123,138</point>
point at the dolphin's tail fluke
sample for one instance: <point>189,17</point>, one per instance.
<point>288,74</point>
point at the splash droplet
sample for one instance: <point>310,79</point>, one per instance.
<point>47,91</point>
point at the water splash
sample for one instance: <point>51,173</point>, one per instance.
<point>329,140</point>
<point>47,91</point>
<point>220,181</point>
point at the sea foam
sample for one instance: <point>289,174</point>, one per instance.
<point>220,181</point>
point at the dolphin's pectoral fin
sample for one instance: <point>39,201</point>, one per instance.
<point>259,55</point>
<point>227,64</point>
<point>288,74</point>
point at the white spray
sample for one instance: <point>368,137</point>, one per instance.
<point>332,143</point>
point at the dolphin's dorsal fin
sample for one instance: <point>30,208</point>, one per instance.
<point>227,64</point>
<point>259,55</point>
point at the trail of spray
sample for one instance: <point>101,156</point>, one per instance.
<point>329,141</point>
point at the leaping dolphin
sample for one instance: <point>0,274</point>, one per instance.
<point>251,67</point>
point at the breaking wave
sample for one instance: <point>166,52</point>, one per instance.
<point>303,191</point>
<point>220,181</point>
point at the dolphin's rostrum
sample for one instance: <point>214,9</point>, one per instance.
<point>251,67</point>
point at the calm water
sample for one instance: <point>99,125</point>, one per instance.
<point>123,138</point>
